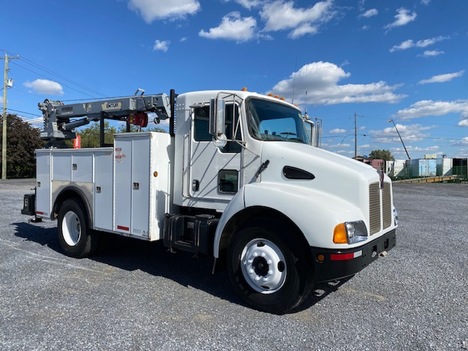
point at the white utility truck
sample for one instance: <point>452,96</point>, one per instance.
<point>239,177</point>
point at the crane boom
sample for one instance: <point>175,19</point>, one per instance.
<point>61,119</point>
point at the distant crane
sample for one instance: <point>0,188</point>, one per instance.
<point>407,154</point>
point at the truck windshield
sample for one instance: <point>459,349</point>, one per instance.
<point>272,121</point>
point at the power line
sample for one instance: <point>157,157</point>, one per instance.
<point>41,75</point>
<point>83,90</point>
<point>24,112</point>
<point>60,76</point>
<point>48,72</point>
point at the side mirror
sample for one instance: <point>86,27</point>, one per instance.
<point>315,128</point>
<point>310,127</point>
<point>217,118</point>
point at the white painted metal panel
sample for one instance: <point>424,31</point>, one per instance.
<point>122,181</point>
<point>82,167</point>
<point>161,152</point>
<point>61,165</point>
<point>43,188</point>
<point>140,184</point>
<point>103,190</point>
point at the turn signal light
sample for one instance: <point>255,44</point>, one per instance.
<point>340,235</point>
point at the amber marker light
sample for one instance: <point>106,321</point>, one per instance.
<point>320,258</point>
<point>340,235</point>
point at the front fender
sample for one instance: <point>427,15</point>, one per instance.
<point>235,205</point>
<point>315,213</point>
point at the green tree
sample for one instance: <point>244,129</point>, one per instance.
<point>123,129</point>
<point>22,140</point>
<point>382,154</point>
<point>156,129</point>
<point>90,136</point>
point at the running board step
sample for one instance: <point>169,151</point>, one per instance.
<point>190,233</point>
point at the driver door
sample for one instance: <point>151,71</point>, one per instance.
<point>214,172</point>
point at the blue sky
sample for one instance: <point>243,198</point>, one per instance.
<point>379,60</point>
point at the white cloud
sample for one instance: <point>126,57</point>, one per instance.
<point>427,42</point>
<point>161,45</point>
<point>248,4</point>
<point>405,45</point>
<point>281,15</point>
<point>461,142</point>
<point>432,53</point>
<point>442,78</point>
<point>409,133</point>
<point>463,123</point>
<point>44,86</point>
<point>402,18</point>
<point>370,13</point>
<point>425,2</point>
<point>37,122</point>
<point>152,10</point>
<point>426,108</point>
<point>302,30</point>
<point>337,131</point>
<point>232,27</point>
<point>317,83</point>
<point>408,44</point>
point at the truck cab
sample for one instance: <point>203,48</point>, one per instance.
<point>250,158</point>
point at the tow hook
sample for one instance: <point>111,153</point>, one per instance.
<point>384,253</point>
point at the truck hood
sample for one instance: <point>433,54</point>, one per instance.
<point>333,174</point>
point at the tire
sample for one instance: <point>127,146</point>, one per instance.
<point>271,273</point>
<point>75,237</point>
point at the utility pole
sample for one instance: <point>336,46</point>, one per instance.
<point>355,135</point>
<point>404,147</point>
<point>7,83</point>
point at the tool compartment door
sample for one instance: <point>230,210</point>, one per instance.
<point>43,181</point>
<point>131,186</point>
<point>103,190</point>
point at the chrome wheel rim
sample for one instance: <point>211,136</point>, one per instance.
<point>263,266</point>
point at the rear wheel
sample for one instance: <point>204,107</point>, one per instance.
<point>270,272</point>
<point>75,237</point>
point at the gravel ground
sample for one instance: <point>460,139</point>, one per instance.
<point>137,296</point>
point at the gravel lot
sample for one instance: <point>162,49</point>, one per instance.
<point>137,296</point>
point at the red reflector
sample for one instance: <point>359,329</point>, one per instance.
<point>342,257</point>
<point>345,256</point>
<point>39,212</point>
<point>121,227</point>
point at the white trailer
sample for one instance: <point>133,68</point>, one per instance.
<point>237,178</point>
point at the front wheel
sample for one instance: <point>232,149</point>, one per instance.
<point>75,238</point>
<point>270,273</point>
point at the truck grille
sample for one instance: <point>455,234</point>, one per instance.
<point>387,206</point>
<point>379,199</point>
<point>374,208</point>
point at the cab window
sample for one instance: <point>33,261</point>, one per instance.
<point>232,128</point>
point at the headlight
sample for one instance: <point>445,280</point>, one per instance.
<point>350,232</point>
<point>395,216</point>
